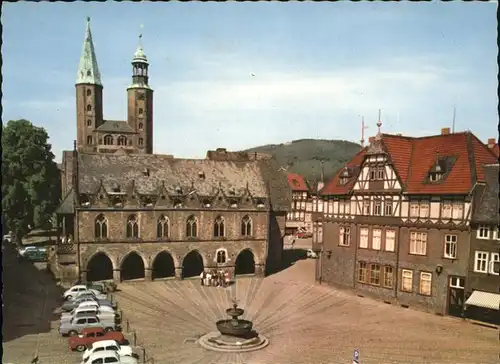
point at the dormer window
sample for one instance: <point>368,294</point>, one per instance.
<point>260,203</point>
<point>438,170</point>
<point>206,203</point>
<point>178,190</point>
<point>84,200</point>
<point>344,176</point>
<point>436,173</point>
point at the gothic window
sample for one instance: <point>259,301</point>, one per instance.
<point>108,140</point>
<point>221,256</point>
<point>132,227</point>
<point>162,227</point>
<point>141,111</point>
<point>219,227</point>
<point>246,226</point>
<point>89,122</point>
<point>191,227</point>
<point>141,141</point>
<point>101,227</point>
<point>89,108</point>
<point>141,126</point>
<point>89,140</point>
<point>122,140</point>
<point>89,92</point>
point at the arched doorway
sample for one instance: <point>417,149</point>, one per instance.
<point>99,268</point>
<point>132,267</point>
<point>245,263</point>
<point>192,265</point>
<point>163,266</point>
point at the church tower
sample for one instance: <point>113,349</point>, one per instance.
<point>88,95</point>
<point>140,102</point>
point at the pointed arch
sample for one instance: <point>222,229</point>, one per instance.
<point>219,227</point>
<point>163,265</point>
<point>163,227</point>
<point>101,227</point>
<point>99,267</point>
<point>132,227</point>
<point>192,227</point>
<point>245,262</point>
<point>122,140</point>
<point>108,139</point>
<point>132,266</point>
<point>246,226</point>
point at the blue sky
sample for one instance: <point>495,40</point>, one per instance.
<point>318,68</point>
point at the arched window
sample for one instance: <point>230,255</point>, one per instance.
<point>141,141</point>
<point>246,226</point>
<point>89,92</point>
<point>89,108</point>
<point>141,126</point>
<point>122,140</point>
<point>191,227</point>
<point>162,228</point>
<point>141,111</point>
<point>221,256</point>
<point>219,227</point>
<point>132,227</point>
<point>89,122</point>
<point>108,140</point>
<point>101,227</point>
<point>89,139</point>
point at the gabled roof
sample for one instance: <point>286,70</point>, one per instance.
<point>412,158</point>
<point>115,126</point>
<point>297,182</point>
<point>334,187</point>
<point>486,208</point>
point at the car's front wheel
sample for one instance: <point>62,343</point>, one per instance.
<point>80,348</point>
<point>109,329</point>
<point>72,333</point>
<point>68,298</point>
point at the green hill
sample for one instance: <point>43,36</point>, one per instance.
<point>304,156</point>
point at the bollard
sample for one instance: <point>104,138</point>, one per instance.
<point>135,338</point>
<point>127,326</point>
<point>143,355</point>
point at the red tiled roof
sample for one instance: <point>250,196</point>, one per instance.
<point>334,187</point>
<point>413,158</point>
<point>296,182</point>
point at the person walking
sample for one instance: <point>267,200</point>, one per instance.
<point>202,277</point>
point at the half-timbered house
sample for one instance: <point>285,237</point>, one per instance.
<point>395,221</point>
<point>299,215</point>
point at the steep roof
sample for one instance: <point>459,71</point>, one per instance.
<point>149,173</point>
<point>486,209</point>
<point>67,205</point>
<point>115,126</point>
<point>88,70</point>
<point>297,182</point>
<point>412,158</point>
<point>334,187</point>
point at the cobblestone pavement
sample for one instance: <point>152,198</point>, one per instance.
<point>305,323</point>
<point>30,317</point>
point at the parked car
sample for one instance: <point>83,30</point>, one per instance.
<point>110,356</point>
<point>7,238</point>
<point>70,305</point>
<point>88,306</point>
<point>31,248</point>
<point>91,335</point>
<point>312,254</point>
<point>103,287</point>
<point>36,255</point>
<point>87,292</point>
<point>102,315</point>
<point>304,235</point>
<point>76,325</point>
<point>73,291</point>
<point>107,345</point>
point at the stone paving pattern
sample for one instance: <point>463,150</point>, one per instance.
<point>305,323</point>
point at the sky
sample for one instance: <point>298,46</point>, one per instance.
<point>237,75</point>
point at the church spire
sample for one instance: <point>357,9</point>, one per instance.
<point>88,71</point>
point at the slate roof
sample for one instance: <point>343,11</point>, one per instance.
<point>115,126</point>
<point>486,210</point>
<point>149,173</point>
<point>297,182</point>
<point>413,158</point>
<point>67,205</point>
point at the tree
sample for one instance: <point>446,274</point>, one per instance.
<point>31,186</point>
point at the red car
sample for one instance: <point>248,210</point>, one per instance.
<point>304,235</point>
<point>92,335</point>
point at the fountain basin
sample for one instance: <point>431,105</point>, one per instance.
<point>214,341</point>
<point>239,328</point>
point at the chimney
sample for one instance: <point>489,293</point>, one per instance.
<point>371,139</point>
<point>492,142</point>
<point>445,131</point>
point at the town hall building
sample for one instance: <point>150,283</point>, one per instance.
<point>130,214</point>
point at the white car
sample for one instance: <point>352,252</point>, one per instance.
<point>101,312</point>
<point>107,345</point>
<point>311,254</point>
<point>93,305</point>
<point>73,291</point>
<point>7,238</point>
<point>110,356</point>
<point>23,250</point>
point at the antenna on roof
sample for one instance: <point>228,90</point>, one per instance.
<point>454,115</point>
<point>363,127</point>
<point>379,124</point>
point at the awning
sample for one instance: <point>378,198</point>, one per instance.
<point>484,299</point>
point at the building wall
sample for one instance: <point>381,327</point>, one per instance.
<point>83,116</point>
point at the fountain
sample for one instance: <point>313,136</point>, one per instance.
<point>234,335</point>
